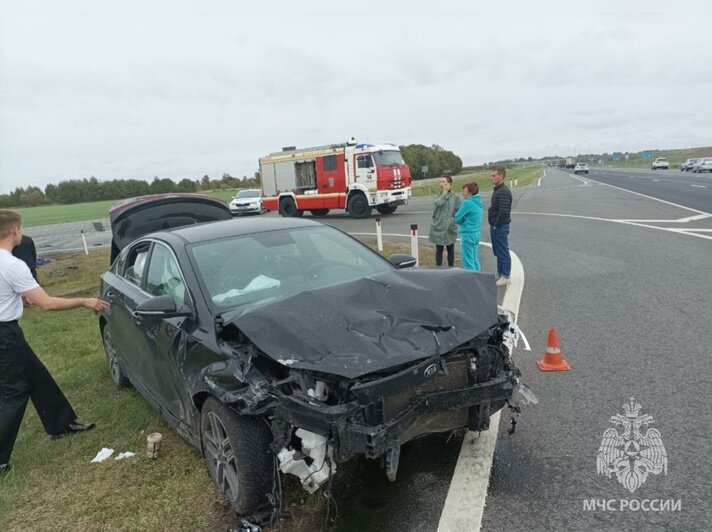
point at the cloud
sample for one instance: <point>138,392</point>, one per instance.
<point>180,90</point>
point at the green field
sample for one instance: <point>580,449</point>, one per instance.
<point>524,177</point>
<point>57,214</point>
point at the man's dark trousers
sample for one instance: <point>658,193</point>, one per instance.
<point>24,377</point>
<point>500,248</point>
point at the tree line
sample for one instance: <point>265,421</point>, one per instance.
<point>438,161</point>
<point>91,189</point>
<point>417,156</point>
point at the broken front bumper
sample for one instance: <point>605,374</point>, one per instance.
<point>392,411</point>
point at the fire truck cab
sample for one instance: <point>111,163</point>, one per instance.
<point>351,176</point>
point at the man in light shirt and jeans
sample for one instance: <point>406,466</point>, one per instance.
<point>22,375</point>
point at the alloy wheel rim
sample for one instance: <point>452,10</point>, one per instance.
<point>221,458</point>
<point>111,355</point>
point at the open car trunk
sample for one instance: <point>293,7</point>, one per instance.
<point>136,217</point>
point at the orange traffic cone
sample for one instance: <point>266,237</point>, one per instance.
<point>553,361</point>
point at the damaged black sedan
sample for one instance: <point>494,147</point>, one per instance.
<point>287,345</point>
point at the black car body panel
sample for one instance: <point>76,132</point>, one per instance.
<point>133,218</point>
<point>373,323</point>
<point>397,354</point>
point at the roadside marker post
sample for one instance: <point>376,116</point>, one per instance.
<point>414,242</point>
<point>84,239</point>
<point>379,234</point>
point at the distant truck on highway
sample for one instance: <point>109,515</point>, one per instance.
<point>351,176</point>
<point>570,162</point>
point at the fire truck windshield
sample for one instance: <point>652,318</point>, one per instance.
<point>389,158</point>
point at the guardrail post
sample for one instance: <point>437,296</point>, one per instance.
<point>414,242</point>
<point>379,234</point>
<point>86,250</point>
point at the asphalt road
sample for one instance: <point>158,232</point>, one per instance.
<point>632,308</point>
<point>684,188</point>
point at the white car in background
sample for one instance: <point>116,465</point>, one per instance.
<point>703,165</point>
<point>581,168</point>
<point>247,201</point>
<point>661,163</point>
<point>688,165</point>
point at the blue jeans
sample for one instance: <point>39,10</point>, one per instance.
<point>500,248</point>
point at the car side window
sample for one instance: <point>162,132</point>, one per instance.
<point>136,263</point>
<point>164,277</point>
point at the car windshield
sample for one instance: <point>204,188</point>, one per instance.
<point>272,265</point>
<point>248,194</point>
<point>389,158</point>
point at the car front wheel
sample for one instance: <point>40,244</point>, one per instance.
<point>238,456</point>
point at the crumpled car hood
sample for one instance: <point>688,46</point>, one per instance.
<point>370,324</point>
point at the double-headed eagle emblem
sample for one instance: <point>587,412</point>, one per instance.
<point>631,455</point>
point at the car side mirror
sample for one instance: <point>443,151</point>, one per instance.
<point>161,307</point>
<point>400,261</point>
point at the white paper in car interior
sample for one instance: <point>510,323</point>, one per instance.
<point>261,282</point>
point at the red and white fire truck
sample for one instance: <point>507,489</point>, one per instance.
<point>351,176</point>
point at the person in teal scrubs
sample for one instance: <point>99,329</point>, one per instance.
<point>469,218</point>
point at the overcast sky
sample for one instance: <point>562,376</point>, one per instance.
<point>182,89</point>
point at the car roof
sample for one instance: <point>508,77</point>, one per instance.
<point>237,227</point>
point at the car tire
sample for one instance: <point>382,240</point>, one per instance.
<point>319,212</point>
<point>288,208</point>
<point>237,453</point>
<point>358,206</point>
<point>116,372</point>
<point>386,209</point>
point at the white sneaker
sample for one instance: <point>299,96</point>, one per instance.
<point>503,281</point>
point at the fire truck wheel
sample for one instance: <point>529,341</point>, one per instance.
<point>288,208</point>
<point>359,207</point>
<point>319,212</point>
<point>387,209</point>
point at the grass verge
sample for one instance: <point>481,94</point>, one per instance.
<point>53,485</point>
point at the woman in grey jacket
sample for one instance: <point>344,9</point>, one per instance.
<point>443,229</point>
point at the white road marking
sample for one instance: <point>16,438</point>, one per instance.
<point>578,178</point>
<point>465,502</point>
<point>624,222</point>
<point>699,186</point>
<point>678,221</point>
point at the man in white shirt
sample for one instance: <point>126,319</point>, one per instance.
<point>22,375</point>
